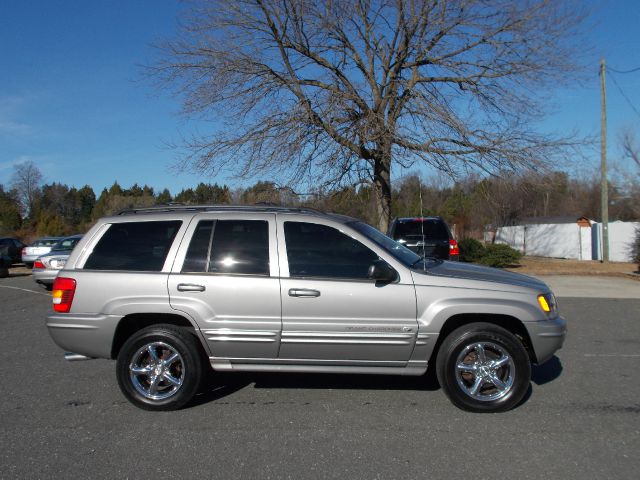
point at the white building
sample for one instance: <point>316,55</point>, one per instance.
<point>568,237</point>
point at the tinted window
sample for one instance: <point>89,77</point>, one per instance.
<point>319,251</point>
<point>431,229</point>
<point>230,247</point>
<point>397,250</point>
<point>136,246</point>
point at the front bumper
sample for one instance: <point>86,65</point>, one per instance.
<point>547,336</point>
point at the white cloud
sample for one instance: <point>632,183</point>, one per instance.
<point>14,128</point>
<point>11,107</point>
<point>12,163</point>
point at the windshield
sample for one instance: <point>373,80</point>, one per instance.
<point>395,249</point>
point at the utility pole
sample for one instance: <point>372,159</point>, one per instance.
<point>604,187</point>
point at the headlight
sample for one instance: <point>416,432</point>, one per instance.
<point>547,302</point>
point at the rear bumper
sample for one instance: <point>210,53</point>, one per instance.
<point>547,337</point>
<point>45,277</point>
<point>88,335</point>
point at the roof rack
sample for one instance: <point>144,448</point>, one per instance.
<point>259,207</point>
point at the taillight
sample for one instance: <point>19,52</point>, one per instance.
<point>453,247</point>
<point>24,251</point>
<point>38,264</point>
<point>62,293</point>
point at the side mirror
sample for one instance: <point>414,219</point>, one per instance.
<point>381,271</point>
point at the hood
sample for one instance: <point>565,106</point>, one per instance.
<point>469,271</point>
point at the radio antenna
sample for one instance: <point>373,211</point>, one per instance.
<point>424,251</point>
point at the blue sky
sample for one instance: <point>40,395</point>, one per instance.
<point>73,100</point>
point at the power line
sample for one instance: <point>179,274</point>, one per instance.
<point>623,71</point>
<point>623,94</point>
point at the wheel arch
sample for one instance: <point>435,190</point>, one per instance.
<point>132,323</point>
<point>508,322</point>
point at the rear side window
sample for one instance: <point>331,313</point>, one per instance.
<point>135,246</point>
<point>229,247</point>
<point>433,229</point>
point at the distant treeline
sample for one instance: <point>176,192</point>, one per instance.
<point>470,205</point>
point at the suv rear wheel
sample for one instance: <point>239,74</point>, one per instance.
<point>160,368</point>
<point>483,368</point>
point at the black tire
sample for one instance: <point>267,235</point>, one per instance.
<point>149,352</point>
<point>483,368</point>
<point>4,272</point>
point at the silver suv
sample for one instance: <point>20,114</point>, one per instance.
<point>171,292</point>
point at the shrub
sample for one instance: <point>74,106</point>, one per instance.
<point>471,250</point>
<point>499,255</point>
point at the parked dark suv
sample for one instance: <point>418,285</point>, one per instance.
<point>10,249</point>
<point>426,236</point>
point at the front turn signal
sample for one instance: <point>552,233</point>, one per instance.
<point>544,305</point>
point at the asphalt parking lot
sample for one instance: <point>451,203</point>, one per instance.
<point>69,420</point>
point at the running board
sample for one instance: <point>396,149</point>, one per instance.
<point>413,368</point>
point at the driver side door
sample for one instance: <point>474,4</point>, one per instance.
<point>331,311</point>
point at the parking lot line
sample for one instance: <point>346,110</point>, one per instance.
<point>26,290</point>
<point>631,355</point>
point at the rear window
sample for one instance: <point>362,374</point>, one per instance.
<point>433,229</point>
<point>135,246</point>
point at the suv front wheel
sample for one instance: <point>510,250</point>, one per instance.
<point>483,368</point>
<point>159,368</point>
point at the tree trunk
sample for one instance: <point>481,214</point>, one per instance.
<point>382,190</point>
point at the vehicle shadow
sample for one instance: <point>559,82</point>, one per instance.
<point>547,372</point>
<point>541,374</point>
<point>326,381</point>
<point>219,385</point>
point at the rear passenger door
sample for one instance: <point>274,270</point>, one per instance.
<point>226,278</point>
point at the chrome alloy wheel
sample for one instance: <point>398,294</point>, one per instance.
<point>157,371</point>
<point>485,371</point>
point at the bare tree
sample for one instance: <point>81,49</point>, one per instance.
<point>630,148</point>
<point>26,181</point>
<point>341,91</point>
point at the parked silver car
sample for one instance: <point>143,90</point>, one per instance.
<point>40,247</point>
<point>173,291</point>
<point>46,268</point>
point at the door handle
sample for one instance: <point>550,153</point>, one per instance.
<point>190,287</point>
<point>303,292</point>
